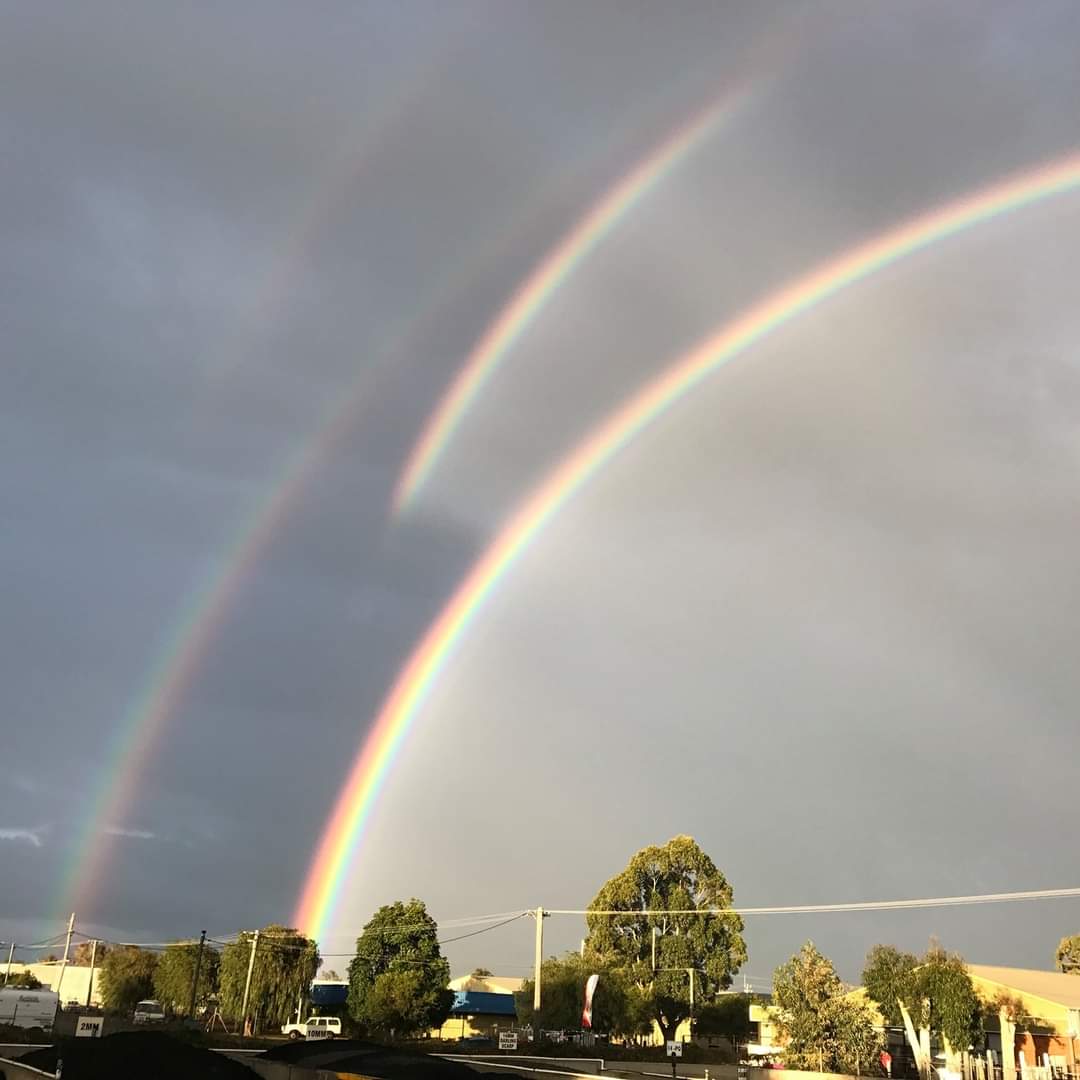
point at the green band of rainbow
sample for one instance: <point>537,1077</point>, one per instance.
<point>343,831</point>
<point>553,271</point>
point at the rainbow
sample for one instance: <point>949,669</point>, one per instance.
<point>550,274</point>
<point>207,606</point>
<point>204,609</point>
<point>352,810</point>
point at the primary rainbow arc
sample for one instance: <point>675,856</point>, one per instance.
<point>329,868</point>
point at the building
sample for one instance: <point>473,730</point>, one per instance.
<point>71,981</point>
<point>1052,998</point>
<point>483,1006</point>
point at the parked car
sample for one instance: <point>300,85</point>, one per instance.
<point>314,1027</point>
<point>149,1012</point>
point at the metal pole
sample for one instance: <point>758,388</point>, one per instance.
<point>70,930</point>
<point>247,983</point>
<point>7,970</point>
<point>195,980</point>
<point>691,970</point>
<point>67,949</point>
<point>655,935</point>
<point>537,961</point>
<point>90,981</point>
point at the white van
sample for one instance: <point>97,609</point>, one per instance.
<point>149,1012</point>
<point>314,1027</point>
<point>28,1008</point>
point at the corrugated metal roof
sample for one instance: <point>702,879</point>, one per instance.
<point>1051,985</point>
<point>471,1003</point>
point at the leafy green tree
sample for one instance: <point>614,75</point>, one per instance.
<point>85,950</point>
<point>398,1004</point>
<point>824,1028</point>
<point>24,980</point>
<point>1068,954</point>
<point>950,1005</point>
<point>285,964</point>
<point>936,990</point>
<point>400,938</point>
<point>176,972</point>
<point>616,1004</point>
<point>728,1015</point>
<point>889,976</point>
<point>127,977</point>
<point>481,973</point>
<point>657,884</point>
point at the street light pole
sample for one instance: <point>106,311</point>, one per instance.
<point>195,980</point>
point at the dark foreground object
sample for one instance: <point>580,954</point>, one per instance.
<point>353,1055</point>
<point>150,1054</point>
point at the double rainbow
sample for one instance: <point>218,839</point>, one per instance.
<point>329,868</point>
<point>551,273</point>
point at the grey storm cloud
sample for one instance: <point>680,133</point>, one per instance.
<point>820,615</point>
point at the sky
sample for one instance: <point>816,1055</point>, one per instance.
<point>821,615</point>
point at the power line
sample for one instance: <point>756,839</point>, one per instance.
<point>862,905</point>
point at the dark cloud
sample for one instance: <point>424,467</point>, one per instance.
<point>819,616</point>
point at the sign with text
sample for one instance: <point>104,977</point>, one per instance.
<point>507,1040</point>
<point>674,1049</point>
<point>316,1033</point>
<point>89,1027</point>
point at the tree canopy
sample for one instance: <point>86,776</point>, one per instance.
<point>1067,956</point>
<point>400,938</point>
<point>127,977</point>
<point>176,972</point>
<point>618,1005</point>
<point>889,978</point>
<point>285,964</point>
<point>24,980</point>
<point>668,881</point>
<point>728,1015</point>
<point>85,950</point>
<point>936,990</point>
<point>825,1029</point>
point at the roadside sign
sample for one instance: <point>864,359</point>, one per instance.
<point>89,1027</point>
<point>674,1049</point>
<point>314,1034</point>
<point>507,1040</point>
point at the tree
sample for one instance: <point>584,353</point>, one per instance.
<point>657,884</point>
<point>85,951</point>
<point>728,1015</point>
<point>330,974</point>
<point>24,980</point>
<point>824,1028</point>
<point>399,938</point>
<point>1068,954</point>
<point>176,973</point>
<point>950,1005</point>
<point>562,979</point>
<point>127,977</point>
<point>889,978</point>
<point>481,973</point>
<point>285,964</point>
<point>398,1003</point>
<point>937,992</point>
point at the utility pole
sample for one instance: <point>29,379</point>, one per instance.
<point>67,949</point>
<point>247,983</point>
<point>691,970</point>
<point>195,980</point>
<point>90,981</point>
<point>655,935</point>
<point>70,931</point>
<point>7,970</point>
<point>538,960</point>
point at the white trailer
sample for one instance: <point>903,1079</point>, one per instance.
<point>28,1008</point>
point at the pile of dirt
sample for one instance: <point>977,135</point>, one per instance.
<point>136,1053</point>
<point>353,1055</point>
